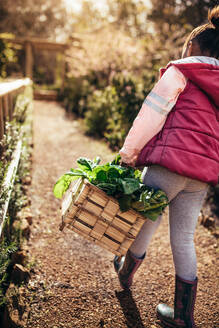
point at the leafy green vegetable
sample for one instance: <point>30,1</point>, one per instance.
<point>123,183</point>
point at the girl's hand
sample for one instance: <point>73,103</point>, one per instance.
<point>127,164</point>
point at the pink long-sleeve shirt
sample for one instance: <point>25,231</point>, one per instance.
<point>153,113</point>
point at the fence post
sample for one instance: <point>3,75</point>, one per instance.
<point>28,60</point>
<point>5,107</point>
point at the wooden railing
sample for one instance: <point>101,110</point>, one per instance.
<point>8,93</point>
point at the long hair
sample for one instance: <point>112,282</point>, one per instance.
<point>207,35</point>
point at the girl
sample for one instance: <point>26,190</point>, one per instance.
<point>176,134</point>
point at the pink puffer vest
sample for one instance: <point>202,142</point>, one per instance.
<point>188,144</point>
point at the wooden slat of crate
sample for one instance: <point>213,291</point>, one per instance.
<point>129,215</point>
<point>111,244</point>
<point>115,234</point>
<point>121,224</point>
<point>110,210</point>
<point>72,211</point>
<point>106,243</point>
<point>82,195</point>
<point>98,198</point>
<point>137,226</point>
<point>82,227</point>
<point>92,207</point>
<point>98,230</point>
<point>125,246</point>
<point>81,232</point>
<point>86,217</point>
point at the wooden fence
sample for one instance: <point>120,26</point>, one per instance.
<point>8,93</point>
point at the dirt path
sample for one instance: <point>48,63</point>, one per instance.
<point>74,284</point>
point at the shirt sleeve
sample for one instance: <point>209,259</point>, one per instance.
<point>153,113</point>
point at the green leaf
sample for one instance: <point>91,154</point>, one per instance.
<point>63,184</point>
<point>117,160</point>
<point>129,185</point>
<point>85,163</point>
<point>101,176</point>
<point>109,188</point>
<point>125,202</point>
<point>113,173</point>
<point>96,161</point>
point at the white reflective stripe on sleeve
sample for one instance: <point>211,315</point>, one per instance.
<point>156,107</point>
<point>167,104</point>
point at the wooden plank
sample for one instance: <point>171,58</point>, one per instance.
<point>45,95</point>
<point>125,246</point>
<point>39,43</point>
<point>92,207</point>
<point>82,195</point>
<point>9,181</point>
<point>82,227</point>
<point>129,215</point>
<point>7,87</point>
<point>10,106</point>
<point>110,243</point>
<point>98,230</point>
<point>97,198</point>
<point>28,60</point>
<point>115,234</point>
<point>5,107</point>
<point>87,218</point>
<point>71,212</point>
<point>121,224</point>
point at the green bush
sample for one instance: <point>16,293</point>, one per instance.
<point>75,94</point>
<point>130,92</point>
<point>7,55</point>
<point>99,109</point>
<point>109,108</point>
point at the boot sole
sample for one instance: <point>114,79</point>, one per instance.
<point>166,324</point>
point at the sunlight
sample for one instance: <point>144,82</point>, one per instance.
<point>76,5</point>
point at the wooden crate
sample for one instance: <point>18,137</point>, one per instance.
<point>88,211</point>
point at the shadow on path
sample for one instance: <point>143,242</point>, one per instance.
<point>129,308</point>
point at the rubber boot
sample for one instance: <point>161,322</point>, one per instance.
<point>126,267</point>
<point>182,316</point>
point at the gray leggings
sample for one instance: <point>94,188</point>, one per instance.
<point>186,197</point>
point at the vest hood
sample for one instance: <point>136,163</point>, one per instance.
<point>203,72</point>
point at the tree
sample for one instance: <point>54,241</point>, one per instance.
<point>180,12</point>
<point>46,19</point>
<point>130,15</point>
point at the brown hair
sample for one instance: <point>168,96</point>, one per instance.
<point>207,35</point>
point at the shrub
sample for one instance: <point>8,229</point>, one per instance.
<point>130,94</point>
<point>7,55</point>
<point>111,111</point>
<point>75,94</point>
<point>100,106</point>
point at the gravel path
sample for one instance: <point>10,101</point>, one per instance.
<point>73,282</point>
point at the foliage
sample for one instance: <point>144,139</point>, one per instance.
<point>131,15</point>
<point>8,247</point>
<point>109,111</point>
<point>13,131</point>
<point>106,51</point>
<point>11,237</point>
<point>75,93</point>
<point>131,93</point>
<point>7,55</point>
<point>101,104</point>
<point>123,183</point>
<point>33,18</point>
<point>172,21</point>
